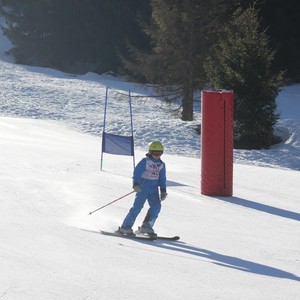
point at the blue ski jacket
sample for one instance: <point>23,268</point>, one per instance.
<point>150,174</point>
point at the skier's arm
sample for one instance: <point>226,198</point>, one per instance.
<point>163,183</point>
<point>163,178</point>
<point>138,171</point>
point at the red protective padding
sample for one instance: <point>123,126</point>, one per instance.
<point>217,143</point>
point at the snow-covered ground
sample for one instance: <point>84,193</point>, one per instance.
<point>241,247</point>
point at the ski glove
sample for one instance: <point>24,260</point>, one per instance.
<point>136,187</point>
<point>163,196</point>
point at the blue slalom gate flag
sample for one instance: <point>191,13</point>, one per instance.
<point>117,144</point>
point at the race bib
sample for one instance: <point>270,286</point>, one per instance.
<point>152,169</point>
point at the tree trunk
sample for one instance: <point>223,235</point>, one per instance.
<point>188,87</point>
<point>187,103</point>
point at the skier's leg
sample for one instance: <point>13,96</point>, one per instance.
<point>147,218</point>
<point>138,204</point>
<point>153,211</point>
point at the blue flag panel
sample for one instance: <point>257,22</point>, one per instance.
<point>117,144</point>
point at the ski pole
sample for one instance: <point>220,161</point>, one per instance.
<point>110,203</point>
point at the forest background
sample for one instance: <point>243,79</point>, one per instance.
<point>91,35</point>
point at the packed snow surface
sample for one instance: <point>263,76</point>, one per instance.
<point>242,247</point>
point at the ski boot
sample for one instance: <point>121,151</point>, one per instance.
<point>146,230</point>
<point>125,230</point>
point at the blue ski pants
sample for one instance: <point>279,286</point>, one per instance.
<point>140,199</point>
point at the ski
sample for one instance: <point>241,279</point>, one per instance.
<point>127,236</point>
<point>141,237</point>
<point>168,238</point>
<point>158,237</point>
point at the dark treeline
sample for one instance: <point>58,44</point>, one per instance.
<point>73,35</point>
<point>90,35</point>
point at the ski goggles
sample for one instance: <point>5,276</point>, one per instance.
<point>157,153</point>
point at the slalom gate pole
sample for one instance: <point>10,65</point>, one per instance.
<point>111,202</point>
<point>131,125</point>
<point>103,131</point>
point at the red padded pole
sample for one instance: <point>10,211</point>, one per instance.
<point>217,143</point>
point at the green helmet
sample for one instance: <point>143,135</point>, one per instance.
<point>156,146</point>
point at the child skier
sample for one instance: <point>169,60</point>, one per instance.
<point>148,176</point>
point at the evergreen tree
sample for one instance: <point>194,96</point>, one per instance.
<point>181,33</point>
<point>243,63</point>
<point>281,18</point>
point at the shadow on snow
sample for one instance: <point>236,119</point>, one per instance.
<point>262,207</point>
<point>226,261</point>
<point>217,258</point>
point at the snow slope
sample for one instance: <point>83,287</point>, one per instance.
<point>241,247</point>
